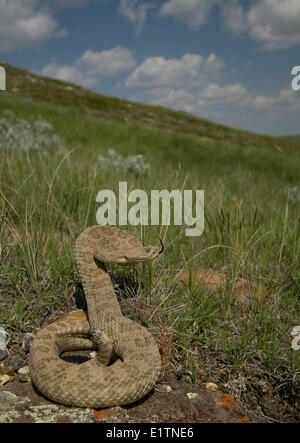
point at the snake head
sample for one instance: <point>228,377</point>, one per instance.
<point>143,253</point>
<point>113,245</point>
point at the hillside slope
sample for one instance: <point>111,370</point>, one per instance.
<point>22,84</point>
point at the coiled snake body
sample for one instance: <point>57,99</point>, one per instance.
<point>127,365</point>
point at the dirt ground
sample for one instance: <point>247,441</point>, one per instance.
<point>175,398</point>
<point>172,401</point>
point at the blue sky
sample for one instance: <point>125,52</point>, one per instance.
<point>229,61</point>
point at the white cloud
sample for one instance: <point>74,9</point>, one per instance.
<point>168,97</point>
<point>28,23</point>
<point>233,16</point>
<point>23,24</point>
<point>159,71</point>
<point>286,100</point>
<point>136,14</point>
<point>68,74</point>
<point>107,62</point>
<point>275,23</point>
<point>192,13</point>
<point>262,102</point>
<point>227,104</point>
<point>69,4</point>
<point>213,65</point>
<point>183,84</point>
<point>234,94</point>
<point>92,66</point>
<point>272,23</point>
<point>187,84</point>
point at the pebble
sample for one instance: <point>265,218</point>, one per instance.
<point>192,395</point>
<point>163,388</point>
<point>7,371</point>
<point>15,365</point>
<point>23,379</point>
<point>4,379</point>
<point>3,354</point>
<point>211,386</point>
<point>24,370</point>
<point>93,354</point>
<point>27,340</point>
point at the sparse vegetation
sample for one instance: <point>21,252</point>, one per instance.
<point>22,135</point>
<point>293,195</point>
<point>252,230</point>
<point>131,163</point>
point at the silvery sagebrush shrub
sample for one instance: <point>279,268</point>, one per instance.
<point>294,194</point>
<point>17,134</point>
<point>132,163</point>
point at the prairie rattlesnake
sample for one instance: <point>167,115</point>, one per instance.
<point>129,347</point>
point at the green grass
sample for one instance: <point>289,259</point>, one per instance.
<point>251,229</point>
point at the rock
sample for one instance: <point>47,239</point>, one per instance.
<point>7,371</point>
<point>23,379</point>
<point>243,289</point>
<point>4,379</point>
<point>15,365</point>
<point>163,388</point>
<point>4,340</point>
<point>24,370</point>
<point>211,386</point>
<point>27,340</point>
<point>192,395</point>
<point>3,354</point>
<point>21,403</point>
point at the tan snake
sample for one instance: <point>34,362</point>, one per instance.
<point>128,362</point>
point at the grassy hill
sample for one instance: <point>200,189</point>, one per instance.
<point>23,84</point>
<point>294,137</point>
<point>252,230</point>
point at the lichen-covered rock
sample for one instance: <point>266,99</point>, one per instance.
<point>180,403</point>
